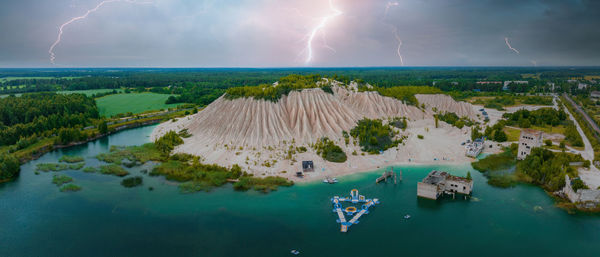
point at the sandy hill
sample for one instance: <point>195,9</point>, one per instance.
<point>253,132</point>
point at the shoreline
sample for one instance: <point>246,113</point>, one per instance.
<point>320,175</point>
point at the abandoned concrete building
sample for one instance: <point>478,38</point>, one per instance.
<point>585,198</point>
<point>439,182</point>
<point>527,140</point>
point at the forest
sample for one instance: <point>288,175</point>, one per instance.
<point>43,114</point>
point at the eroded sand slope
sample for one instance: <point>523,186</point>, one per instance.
<point>256,134</point>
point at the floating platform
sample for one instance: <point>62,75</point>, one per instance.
<point>389,174</point>
<point>351,211</point>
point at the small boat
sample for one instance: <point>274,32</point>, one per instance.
<point>330,180</point>
<point>406,216</point>
<point>295,252</point>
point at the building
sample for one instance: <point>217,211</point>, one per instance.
<point>439,182</point>
<point>595,94</point>
<point>474,148</point>
<point>584,198</point>
<point>308,166</point>
<point>581,86</point>
<point>528,139</point>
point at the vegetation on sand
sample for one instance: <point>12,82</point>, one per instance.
<point>373,136</point>
<point>330,151</point>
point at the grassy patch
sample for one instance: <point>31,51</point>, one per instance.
<point>134,102</point>
<point>60,180</point>
<point>70,188</point>
<point>512,134</point>
<point>265,185</point>
<point>132,182</point>
<point>59,166</point>
<point>70,159</point>
<point>113,169</point>
<point>496,167</point>
<point>90,170</point>
<point>560,129</point>
<point>133,154</point>
<point>495,162</point>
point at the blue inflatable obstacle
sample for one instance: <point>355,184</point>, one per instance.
<point>351,210</point>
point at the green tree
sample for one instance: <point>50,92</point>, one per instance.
<point>500,136</point>
<point>9,166</point>
<point>167,142</point>
<point>469,175</point>
<point>103,127</point>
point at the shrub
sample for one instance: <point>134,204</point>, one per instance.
<point>113,169</point>
<point>261,184</point>
<point>329,151</point>
<point>132,181</point>
<point>70,188</point>
<point>60,180</point>
<point>373,136</point>
<point>9,167</point>
<point>167,142</point>
<point>420,137</point>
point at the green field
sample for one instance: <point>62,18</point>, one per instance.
<point>134,102</point>
<point>87,92</point>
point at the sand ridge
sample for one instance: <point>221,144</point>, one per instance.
<point>257,134</point>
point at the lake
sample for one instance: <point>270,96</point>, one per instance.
<point>106,219</point>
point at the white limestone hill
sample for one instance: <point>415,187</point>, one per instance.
<point>445,103</point>
<point>302,116</point>
<point>258,134</point>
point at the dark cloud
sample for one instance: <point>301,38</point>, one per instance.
<point>261,33</point>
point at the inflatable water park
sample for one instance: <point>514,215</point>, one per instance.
<point>351,211</point>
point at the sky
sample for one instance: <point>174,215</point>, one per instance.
<point>299,33</point>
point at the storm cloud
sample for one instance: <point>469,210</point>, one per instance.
<point>269,33</point>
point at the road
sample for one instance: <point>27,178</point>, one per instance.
<point>585,115</point>
<point>590,176</point>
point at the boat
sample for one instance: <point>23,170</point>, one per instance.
<point>406,216</point>
<point>295,252</point>
<point>330,180</point>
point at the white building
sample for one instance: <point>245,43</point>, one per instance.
<point>439,182</point>
<point>474,148</point>
<point>528,139</point>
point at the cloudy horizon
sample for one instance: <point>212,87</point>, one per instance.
<point>269,33</point>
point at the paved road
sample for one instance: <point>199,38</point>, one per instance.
<point>590,176</point>
<point>585,115</point>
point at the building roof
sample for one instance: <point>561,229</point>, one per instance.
<point>435,177</point>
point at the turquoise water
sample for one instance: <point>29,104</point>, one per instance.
<point>106,219</point>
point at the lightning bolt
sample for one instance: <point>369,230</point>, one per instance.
<point>87,13</point>
<point>388,6</point>
<point>394,30</point>
<point>510,47</point>
<point>319,27</point>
